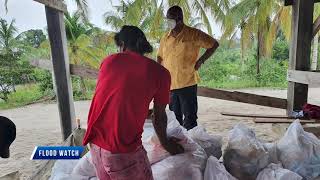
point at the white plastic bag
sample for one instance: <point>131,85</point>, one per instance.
<point>211,144</point>
<point>187,166</point>
<point>216,171</point>
<point>276,172</point>
<point>154,149</point>
<point>245,156</point>
<point>84,167</point>
<point>299,151</point>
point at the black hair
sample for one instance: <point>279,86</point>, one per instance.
<point>7,130</point>
<point>134,39</point>
<point>177,11</point>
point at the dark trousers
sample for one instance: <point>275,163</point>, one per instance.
<point>184,103</point>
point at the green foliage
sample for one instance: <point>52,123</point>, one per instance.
<point>280,50</point>
<point>32,38</point>
<point>24,95</point>
<point>225,70</point>
<point>44,79</point>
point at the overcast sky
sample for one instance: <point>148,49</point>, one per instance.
<point>31,15</point>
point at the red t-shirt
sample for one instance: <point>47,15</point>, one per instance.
<point>127,83</point>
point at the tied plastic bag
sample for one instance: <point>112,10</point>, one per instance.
<point>211,144</point>
<point>216,171</point>
<point>299,151</point>
<point>84,168</point>
<point>186,166</point>
<point>154,149</point>
<point>245,156</point>
<point>276,172</point>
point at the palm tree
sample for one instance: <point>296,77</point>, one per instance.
<point>9,45</point>
<point>80,48</point>
<point>7,36</point>
<point>148,18</point>
<point>257,20</point>
<point>149,14</point>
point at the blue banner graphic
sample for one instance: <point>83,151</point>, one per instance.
<point>56,152</point>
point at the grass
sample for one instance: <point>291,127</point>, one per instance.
<point>24,95</point>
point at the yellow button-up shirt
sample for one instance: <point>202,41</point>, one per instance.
<point>179,55</point>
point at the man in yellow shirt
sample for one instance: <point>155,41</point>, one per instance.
<point>179,53</point>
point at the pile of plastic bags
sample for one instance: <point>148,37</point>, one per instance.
<point>187,166</point>
<point>297,155</point>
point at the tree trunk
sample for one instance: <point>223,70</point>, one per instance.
<point>258,53</point>
<point>314,62</point>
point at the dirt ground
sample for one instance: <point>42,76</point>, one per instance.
<point>38,125</point>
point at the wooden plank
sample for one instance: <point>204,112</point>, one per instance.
<point>55,4</point>
<point>84,72</point>
<point>255,115</point>
<point>302,18</point>
<point>316,26</point>
<point>243,97</point>
<point>60,61</point>
<point>290,2</point>
<point>77,70</point>
<point>304,77</point>
<point>258,120</point>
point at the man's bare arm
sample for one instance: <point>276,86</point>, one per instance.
<point>160,125</point>
<point>209,52</point>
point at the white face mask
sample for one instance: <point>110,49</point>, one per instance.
<point>171,23</point>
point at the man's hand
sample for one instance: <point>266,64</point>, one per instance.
<point>198,64</point>
<point>173,147</point>
<point>160,126</point>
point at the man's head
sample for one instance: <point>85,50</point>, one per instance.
<point>132,38</point>
<point>175,14</point>
<point>7,136</point>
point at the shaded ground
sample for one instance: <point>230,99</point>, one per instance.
<point>39,125</point>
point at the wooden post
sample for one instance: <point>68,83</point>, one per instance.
<point>60,61</point>
<point>302,26</point>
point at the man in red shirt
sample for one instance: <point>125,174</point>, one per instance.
<point>127,83</point>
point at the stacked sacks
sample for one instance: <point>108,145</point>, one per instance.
<point>245,155</point>
<point>298,152</point>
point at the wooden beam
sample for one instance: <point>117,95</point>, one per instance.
<point>283,121</point>
<point>304,77</point>
<point>302,26</point>
<point>60,61</point>
<point>290,2</point>
<point>55,4</point>
<point>243,97</point>
<point>316,26</point>
<point>202,91</point>
<point>255,115</point>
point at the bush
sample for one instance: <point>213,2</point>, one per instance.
<point>44,78</point>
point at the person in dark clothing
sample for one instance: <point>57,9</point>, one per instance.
<point>7,136</point>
